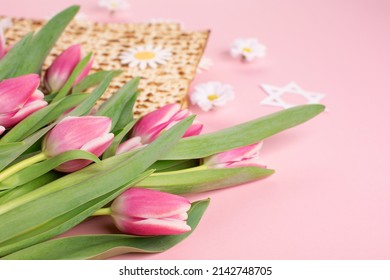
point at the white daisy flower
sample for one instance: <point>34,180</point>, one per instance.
<point>212,94</point>
<point>205,64</point>
<point>144,56</point>
<point>247,49</point>
<point>114,5</point>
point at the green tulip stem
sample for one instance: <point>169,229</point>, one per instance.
<point>102,212</point>
<point>196,168</point>
<point>21,165</point>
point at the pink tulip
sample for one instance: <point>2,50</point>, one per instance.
<point>239,157</point>
<point>2,129</point>
<point>87,133</point>
<point>19,98</point>
<point>63,66</point>
<point>150,212</point>
<point>150,126</point>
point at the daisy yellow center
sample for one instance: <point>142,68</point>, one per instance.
<point>247,50</point>
<point>145,55</point>
<point>213,97</point>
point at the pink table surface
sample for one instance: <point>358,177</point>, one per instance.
<point>330,196</point>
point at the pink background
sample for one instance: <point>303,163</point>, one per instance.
<point>330,197</point>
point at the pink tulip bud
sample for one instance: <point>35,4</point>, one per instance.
<point>87,133</point>
<point>62,67</point>
<point>19,98</point>
<point>150,212</point>
<point>239,157</point>
<point>150,126</point>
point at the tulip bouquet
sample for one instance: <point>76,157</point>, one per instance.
<point>62,160</point>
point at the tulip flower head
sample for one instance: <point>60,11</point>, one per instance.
<point>150,126</point>
<point>239,157</point>
<point>62,67</point>
<point>19,98</point>
<point>149,212</point>
<point>86,133</point>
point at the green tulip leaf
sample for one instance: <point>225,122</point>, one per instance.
<point>34,49</point>
<point>28,212</point>
<point>10,152</point>
<point>43,41</point>
<point>117,140</point>
<point>93,80</point>
<point>173,165</point>
<point>194,181</point>
<point>10,194</point>
<point>116,104</point>
<point>13,59</point>
<point>243,134</point>
<point>127,113</point>
<point>86,106</point>
<point>108,245</point>
<point>38,169</point>
<point>66,221</point>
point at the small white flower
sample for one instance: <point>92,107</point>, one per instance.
<point>143,56</point>
<point>247,49</point>
<point>114,5</point>
<point>205,64</point>
<point>212,94</point>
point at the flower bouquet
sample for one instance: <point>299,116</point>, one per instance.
<point>63,159</point>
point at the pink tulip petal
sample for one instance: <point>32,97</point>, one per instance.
<point>194,129</point>
<point>154,119</point>
<point>15,92</point>
<point>182,114</point>
<point>73,132</point>
<point>27,110</point>
<point>62,67</point>
<point>129,145</point>
<point>6,119</point>
<point>154,132</point>
<point>98,145</point>
<point>73,165</point>
<point>237,154</point>
<point>145,203</point>
<point>249,162</point>
<point>152,226</point>
<point>2,129</point>
<point>37,95</point>
<point>181,216</point>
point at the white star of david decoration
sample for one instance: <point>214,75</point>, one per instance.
<point>275,95</point>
